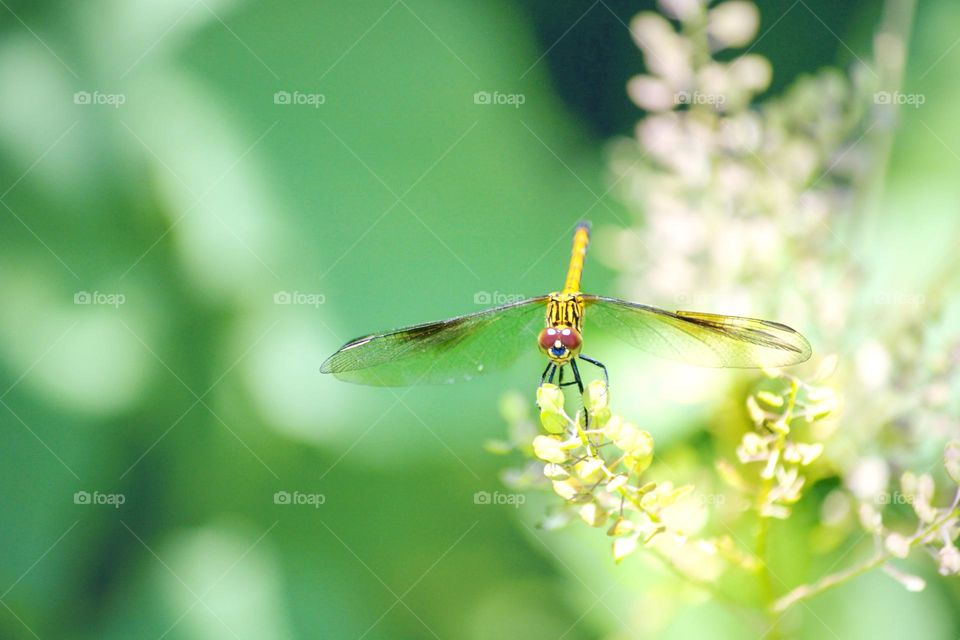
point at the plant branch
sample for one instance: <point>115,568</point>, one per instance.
<point>766,582</point>
<point>835,579</point>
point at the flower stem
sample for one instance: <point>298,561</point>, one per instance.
<point>804,592</point>
<point>763,528</point>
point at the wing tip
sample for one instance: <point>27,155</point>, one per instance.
<point>326,366</point>
<point>806,350</point>
<point>802,348</point>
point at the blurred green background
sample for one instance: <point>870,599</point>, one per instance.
<point>163,204</point>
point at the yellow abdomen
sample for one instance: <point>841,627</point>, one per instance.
<point>581,238</point>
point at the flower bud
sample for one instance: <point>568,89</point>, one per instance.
<point>911,583</point>
<point>554,471</point>
<point>592,514</point>
<point>621,526</point>
<point>650,93</point>
<point>637,464</point>
<point>751,72</point>
<point>898,545</point>
<point>595,401</point>
<point>567,489</point>
<point>549,449</point>
<point>948,559</point>
<point>682,10</point>
<point>595,396</point>
<point>590,470</point>
<point>550,401</point>
<point>617,482</point>
<point>733,24</point>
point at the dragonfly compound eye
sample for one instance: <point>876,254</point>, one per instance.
<point>559,342</point>
<point>570,338</point>
<point>548,339</point>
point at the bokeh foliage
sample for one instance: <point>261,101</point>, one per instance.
<point>198,399</point>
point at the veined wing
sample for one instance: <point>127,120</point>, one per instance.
<point>442,352</point>
<point>702,339</point>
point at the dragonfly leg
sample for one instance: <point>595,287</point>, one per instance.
<point>543,376</point>
<point>606,378</point>
<point>579,382</point>
<point>576,376</point>
<point>552,371</point>
<point>561,383</point>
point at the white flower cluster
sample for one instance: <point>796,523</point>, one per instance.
<point>725,189</point>
<point>937,527</point>
<point>736,195</point>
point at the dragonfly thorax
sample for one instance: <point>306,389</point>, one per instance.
<point>561,339</point>
<point>565,310</point>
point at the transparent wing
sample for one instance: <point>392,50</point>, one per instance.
<point>702,339</point>
<point>442,352</point>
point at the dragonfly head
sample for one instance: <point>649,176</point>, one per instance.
<point>560,344</point>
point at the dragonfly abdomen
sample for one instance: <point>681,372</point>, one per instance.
<point>581,238</point>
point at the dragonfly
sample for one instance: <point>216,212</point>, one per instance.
<point>464,347</point>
